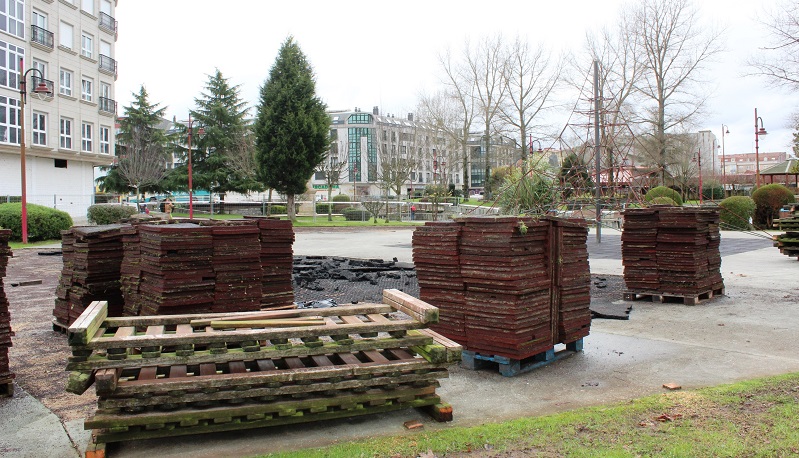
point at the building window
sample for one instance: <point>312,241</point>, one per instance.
<point>65,35</point>
<point>9,64</point>
<point>12,17</point>
<point>65,134</point>
<point>60,163</point>
<point>105,140</point>
<point>39,129</point>
<point>86,136</point>
<point>9,120</point>
<point>65,82</point>
<point>87,45</point>
<point>360,118</point>
<point>87,6</point>
<point>42,67</point>
<point>86,89</point>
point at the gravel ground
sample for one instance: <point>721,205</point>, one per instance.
<point>39,354</point>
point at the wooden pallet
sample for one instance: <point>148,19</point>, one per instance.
<point>687,299</point>
<point>60,327</point>
<point>171,375</point>
<point>510,367</point>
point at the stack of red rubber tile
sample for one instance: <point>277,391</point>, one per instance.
<point>672,251</point>
<point>130,270</point>
<point>177,276</point>
<point>277,262</point>
<point>92,258</point>
<point>236,263</point>
<point>5,318</point>
<point>517,302</point>
<point>437,262</point>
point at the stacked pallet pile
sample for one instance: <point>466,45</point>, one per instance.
<point>687,261</point>
<point>525,283</point>
<point>788,243</point>
<point>277,262</point>
<point>6,377</point>
<point>191,374</point>
<point>130,271</point>
<point>177,276</point>
<point>436,258</point>
<point>91,271</point>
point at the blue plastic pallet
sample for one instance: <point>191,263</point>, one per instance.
<point>510,367</point>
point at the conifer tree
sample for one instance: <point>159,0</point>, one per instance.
<point>292,125</point>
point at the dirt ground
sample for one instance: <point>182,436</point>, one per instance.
<point>39,354</point>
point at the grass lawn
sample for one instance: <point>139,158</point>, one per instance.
<point>752,418</point>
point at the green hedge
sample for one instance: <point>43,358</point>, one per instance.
<point>663,191</point>
<point>109,214</point>
<point>663,200</point>
<point>356,214</point>
<point>736,212</point>
<point>44,223</point>
<point>768,201</point>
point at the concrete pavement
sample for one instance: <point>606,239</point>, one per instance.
<point>748,333</point>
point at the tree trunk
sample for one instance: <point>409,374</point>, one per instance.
<point>269,205</point>
<point>329,202</point>
<point>290,207</point>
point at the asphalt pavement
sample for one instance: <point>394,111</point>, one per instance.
<point>748,333</point>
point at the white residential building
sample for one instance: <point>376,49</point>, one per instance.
<point>69,132</point>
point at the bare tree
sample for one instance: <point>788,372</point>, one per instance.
<point>441,116</point>
<point>779,61</point>
<point>676,49</point>
<point>241,156</point>
<point>530,77</point>
<point>397,157</point>
<point>143,162</point>
<point>332,168</point>
<point>487,65</point>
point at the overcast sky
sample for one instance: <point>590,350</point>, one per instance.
<point>368,53</point>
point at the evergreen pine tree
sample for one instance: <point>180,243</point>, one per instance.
<point>221,113</point>
<point>292,125</point>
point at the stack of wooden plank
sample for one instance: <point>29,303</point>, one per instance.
<point>436,258</point>
<point>92,259</point>
<point>130,270</point>
<point>191,374</point>
<point>6,377</point>
<point>277,262</point>
<point>176,272</point>
<point>687,257</point>
<point>525,282</point>
<point>788,243</point>
<point>237,266</point>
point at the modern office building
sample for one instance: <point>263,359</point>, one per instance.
<point>69,46</point>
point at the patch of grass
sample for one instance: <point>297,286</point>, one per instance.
<point>752,418</point>
<point>19,245</point>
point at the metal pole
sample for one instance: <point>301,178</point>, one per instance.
<point>22,153</point>
<point>699,162</point>
<point>723,163</point>
<point>597,155</point>
<point>191,203</point>
<point>757,156</point>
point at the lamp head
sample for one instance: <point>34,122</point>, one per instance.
<point>41,88</point>
<point>762,131</point>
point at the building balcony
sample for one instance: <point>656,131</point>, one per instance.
<point>50,85</point>
<point>107,105</point>
<point>42,37</point>
<point>108,23</point>
<point>108,65</point>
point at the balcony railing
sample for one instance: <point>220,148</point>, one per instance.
<point>50,85</point>
<point>108,23</point>
<point>42,36</point>
<point>108,65</point>
<point>107,105</point>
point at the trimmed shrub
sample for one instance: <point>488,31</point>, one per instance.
<point>109,213</point>
<point>663,191</point>
<point>713,191</point>
<point>344,203</point>
<point>662,200</point>
<point>736,211</point>
<point>278,209</point>
<point>356,214</point>
<point>768,201</point>
<point>44,223</point>
<point>340,198</point>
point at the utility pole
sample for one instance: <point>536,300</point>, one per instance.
<point>597,157</point>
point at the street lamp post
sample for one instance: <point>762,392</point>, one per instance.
<point>200,131</point>
<point>40,88</point>
<point>724,130</point>
<point>699,164</point>
<point>758,132</point>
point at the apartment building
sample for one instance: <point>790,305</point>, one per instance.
<point>69,46</point>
